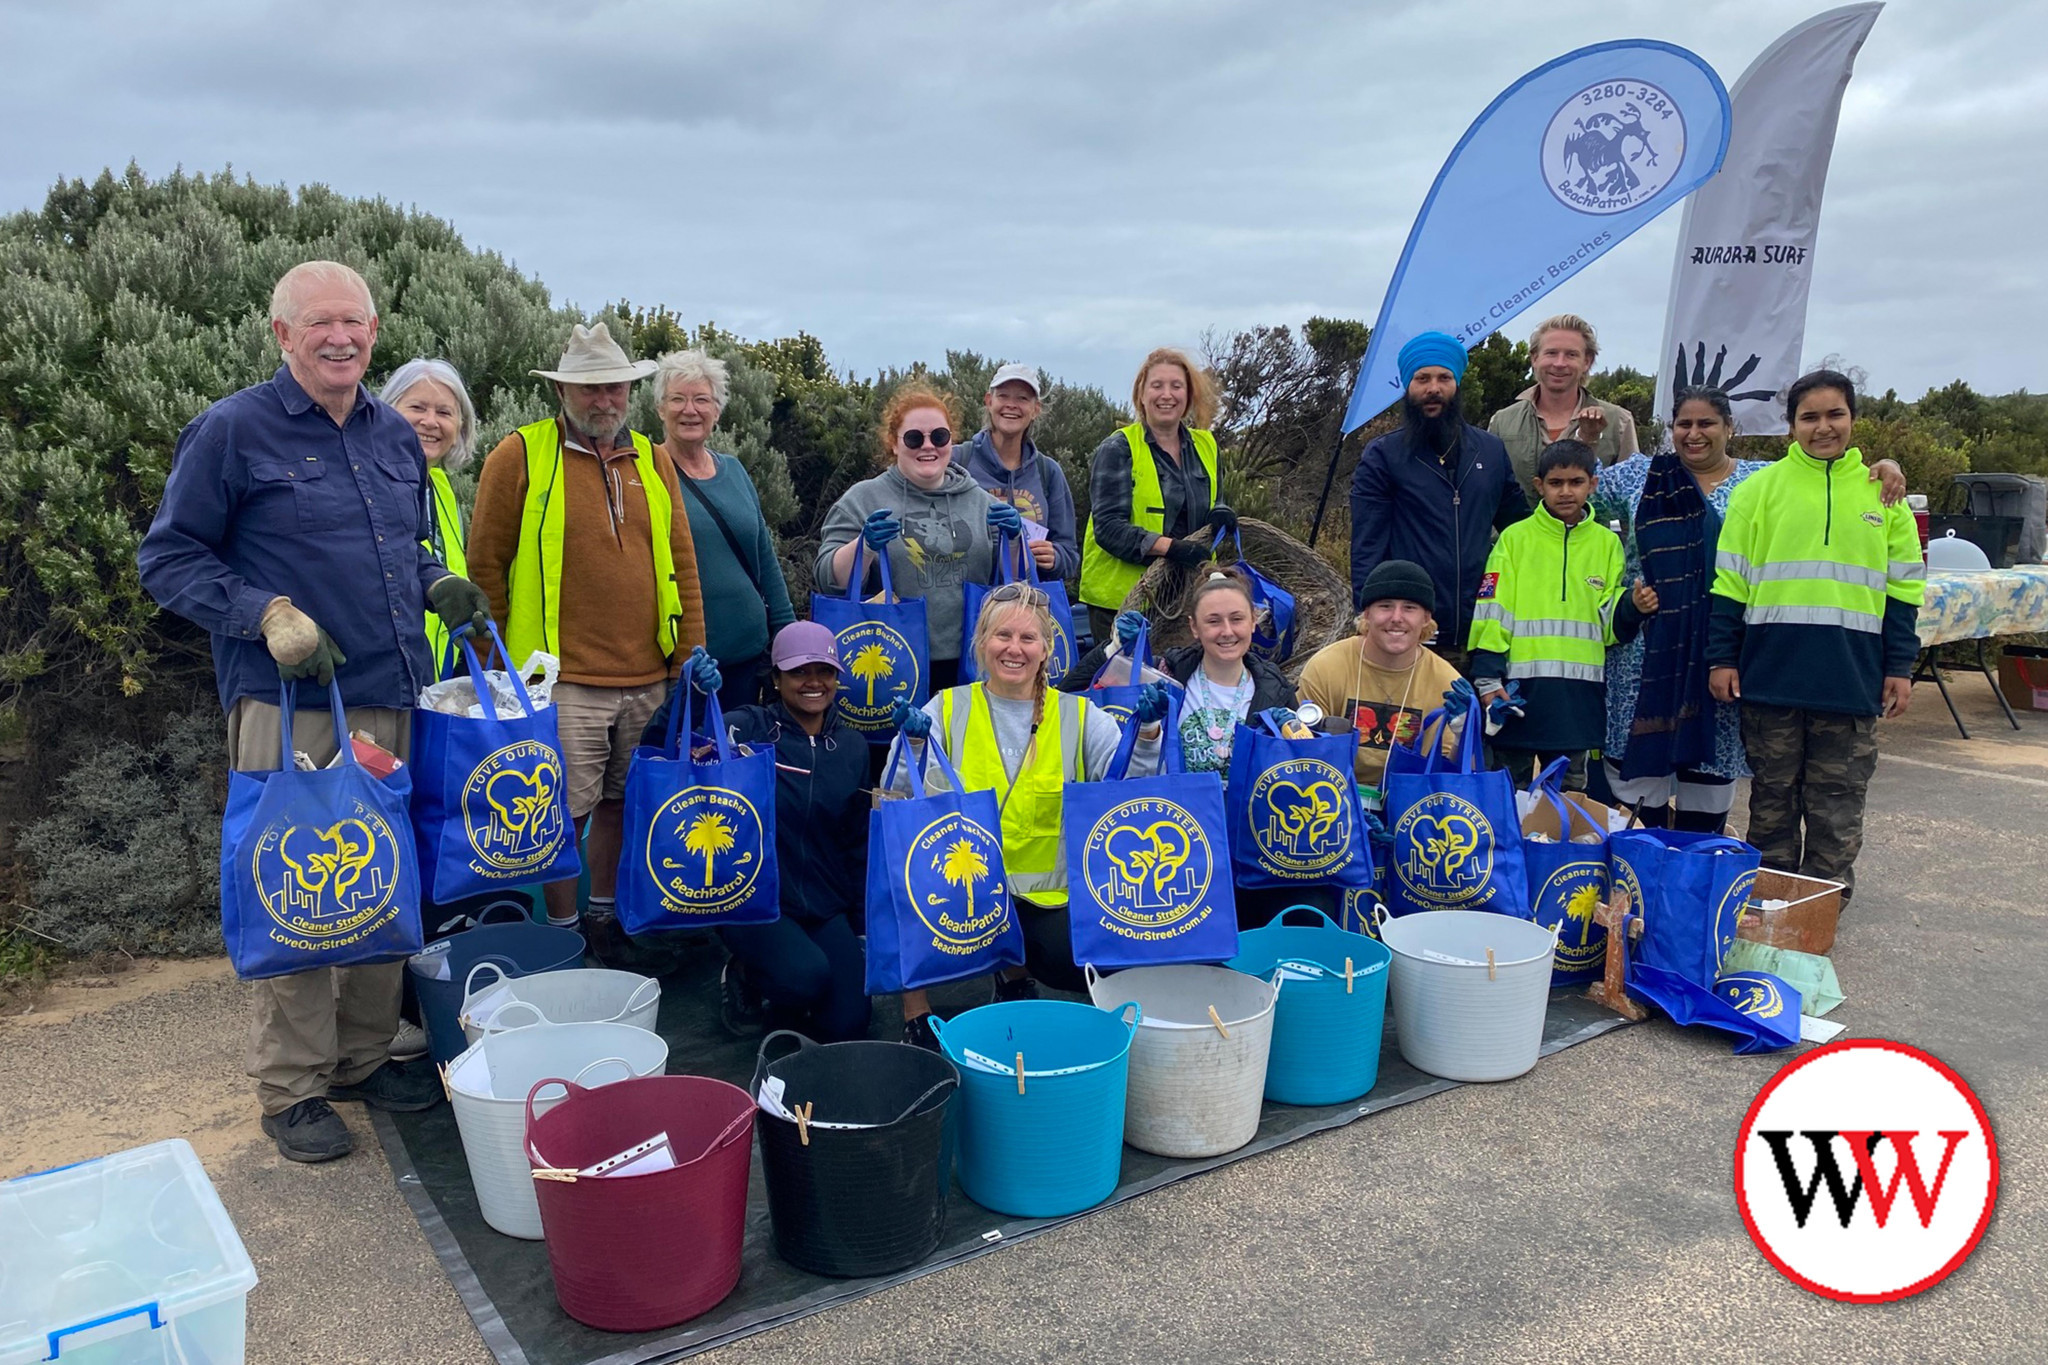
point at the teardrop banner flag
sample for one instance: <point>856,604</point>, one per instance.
<point>1737,318</point>
<point>1569,160</point>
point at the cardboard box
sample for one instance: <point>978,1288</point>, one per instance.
<point>2024,680</point>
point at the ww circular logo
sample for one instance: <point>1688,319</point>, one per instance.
<point>1613,146</point>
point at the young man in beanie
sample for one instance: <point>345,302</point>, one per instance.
<point>1434,491</point>
<point>1385,679</point>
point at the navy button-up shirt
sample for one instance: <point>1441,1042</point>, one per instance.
<point>268,497</point>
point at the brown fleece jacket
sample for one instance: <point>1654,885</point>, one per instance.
<point>608,626</point>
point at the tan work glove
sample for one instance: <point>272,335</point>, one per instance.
<point>301,648</point>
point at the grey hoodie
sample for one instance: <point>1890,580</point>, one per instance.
<point>945,544</point>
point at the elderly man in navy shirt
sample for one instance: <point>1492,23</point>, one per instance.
<point>290,531</point>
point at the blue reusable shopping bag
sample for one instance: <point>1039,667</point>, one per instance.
<point>490,807</point>
<point>1690,889</point>
<point>1293,806</point>
<point>1115,688</point>
<point>884,650</point>
<point>1274,611</point>
<point>1457,839</point>
<point>1760,1009</point>
<point>1568,880</point>
<point>1010,548</point>
<point>1148,863</point>
<point>699,844</point>
<point>938,900</point>
<point>317,869</point>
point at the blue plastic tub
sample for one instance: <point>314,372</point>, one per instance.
<point>1326,1032</point>
<point>1057,1147</point>
<point>440,972</point>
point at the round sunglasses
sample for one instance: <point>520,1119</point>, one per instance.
<point>914,440</point>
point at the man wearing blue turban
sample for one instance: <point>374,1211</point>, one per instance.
<point>1433,491</point>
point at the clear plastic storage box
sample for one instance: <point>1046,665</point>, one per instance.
<point>127,1259</point>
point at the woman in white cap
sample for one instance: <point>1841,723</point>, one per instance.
<point>804,971</point>
<point>1003,460</point>
<point>430,394</point>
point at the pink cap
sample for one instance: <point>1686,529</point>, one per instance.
<point>804,642</point>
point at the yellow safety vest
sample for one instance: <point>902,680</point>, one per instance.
<point>1106,580</point>
<point>1033,859</point>
<point>448,519</point>
<point>533,582</point>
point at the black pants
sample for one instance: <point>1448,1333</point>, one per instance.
<point>743,681</point>
<point>1523,764</point>
<point>1257,907</point>
<point>1049,947</point>
<point>812,975</point>
<point>1102,624</point>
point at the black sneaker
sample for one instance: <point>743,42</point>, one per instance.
<point>309,1131</point>
<point>395,1087</point>
<point>917,1031</point>
<point>1023,988</point>
<point>739,1007</point>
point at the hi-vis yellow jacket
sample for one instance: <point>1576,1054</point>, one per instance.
<point>1817,586</point>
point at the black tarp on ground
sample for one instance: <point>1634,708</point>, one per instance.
<point>506,1286</point>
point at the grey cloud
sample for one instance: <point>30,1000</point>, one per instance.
<point>1074,183</point>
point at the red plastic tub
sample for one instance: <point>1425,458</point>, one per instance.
<point>633,1253</point>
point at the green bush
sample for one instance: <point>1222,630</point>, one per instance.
<point>129,858</point>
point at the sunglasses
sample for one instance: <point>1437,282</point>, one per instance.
<point>914,440</point>
<point>1019,592</point>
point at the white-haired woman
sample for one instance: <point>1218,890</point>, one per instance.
<point>430,394</point>
<point>745,596</point>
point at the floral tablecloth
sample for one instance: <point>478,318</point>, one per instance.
<point>1972,606</point>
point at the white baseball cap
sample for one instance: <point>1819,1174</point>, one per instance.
<point>1023,374</point>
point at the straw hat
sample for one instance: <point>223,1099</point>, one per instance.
<point>594,358</point>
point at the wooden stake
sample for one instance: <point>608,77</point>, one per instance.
<point>1020,1073</point>
<point>1347,976</point>
<point>1610,991</point>
<point>1217,1020</point>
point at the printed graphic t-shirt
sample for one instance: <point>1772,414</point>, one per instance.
<point>1386,706</point>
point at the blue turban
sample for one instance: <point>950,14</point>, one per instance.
<point>1432,348</point>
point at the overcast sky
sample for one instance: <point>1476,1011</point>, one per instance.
<point>1068,183</point>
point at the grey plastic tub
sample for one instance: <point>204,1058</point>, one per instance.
<point>1193,1090</point>
<point>1456,1015</point>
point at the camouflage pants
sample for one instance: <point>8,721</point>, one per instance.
<point>1811,768</point>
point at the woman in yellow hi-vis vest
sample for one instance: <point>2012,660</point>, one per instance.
<point>1151,485</point>
<point>1014,735</point>
<point>430,394</point>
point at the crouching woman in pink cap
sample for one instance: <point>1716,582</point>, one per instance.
<point>804,971</point>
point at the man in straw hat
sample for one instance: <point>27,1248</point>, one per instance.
<point>581,540</point>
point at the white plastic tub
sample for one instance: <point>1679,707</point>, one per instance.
<point>1195,1087</point>
<point>127,1259</point>
<point>577,995</point>
<point>488,1084</point>
<point>1457,1014</point>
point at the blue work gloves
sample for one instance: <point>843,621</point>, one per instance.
<point>701,671</point>
<point>1128,623</point>
<point>880,528</point>
<point>910,720</point>
<point>1005,520</point>
<point>1459,700</point>
<point>1152,704</point>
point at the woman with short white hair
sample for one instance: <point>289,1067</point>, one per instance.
<point>430,394</point>
<point>746,599</point>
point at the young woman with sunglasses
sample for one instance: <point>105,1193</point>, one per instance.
<point>1014,735</point>
<point>926,513</point>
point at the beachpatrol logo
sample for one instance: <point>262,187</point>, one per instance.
<point>324,883</point>
<point>1300,820</point>
<point>720,835</point>
<point>1149,864</point>
<point>953,878</point>
<point>1566,902</point>
<point>880,668</point>
<point>1830,1146</point>
<point>512,809</point>
<point>1612,146</point>
<point>1443,847</point>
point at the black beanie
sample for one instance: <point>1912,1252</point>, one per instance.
<point>1400,578</point>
